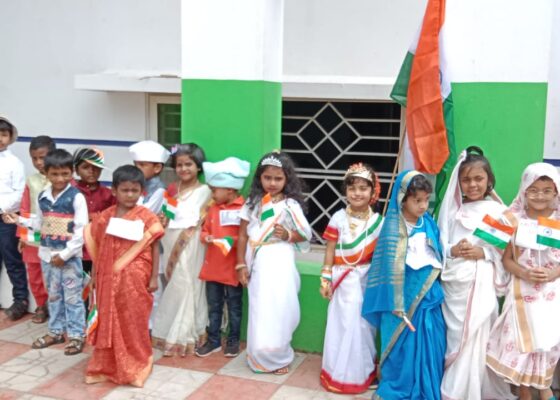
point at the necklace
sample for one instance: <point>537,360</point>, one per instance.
<point>412,226</point>
<point>352,230</point>
<point>189,187</point>
<point>363,215</point>
<point>277,197</point>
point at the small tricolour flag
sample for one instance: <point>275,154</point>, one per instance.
<point>267,208</point>
<point>28,235</point>
<point>169,207</point>
<point>92,320</point>
<point>548,232</point>
<point>224,244</point>
<point>494,232</point>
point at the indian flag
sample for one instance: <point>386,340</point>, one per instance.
<point>92,320</point>
<point>224,244</point>
<point>169,207</point>
<point>494,232</point>
<point>548,232</point>
<point>474,76</point>
<point>28,235</point>
<point>267,208</point>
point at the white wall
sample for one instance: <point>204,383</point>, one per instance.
<point>552,137</point>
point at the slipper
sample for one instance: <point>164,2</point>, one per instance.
<point>75,346</point>
<point>281,371</point>
<point>46,341</point>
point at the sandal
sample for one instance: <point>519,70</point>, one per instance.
<point>46,341</point>
<point>281,371</point>
<point>75,346</point>
<point>41,315</point>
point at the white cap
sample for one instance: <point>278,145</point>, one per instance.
<point>150,151</point>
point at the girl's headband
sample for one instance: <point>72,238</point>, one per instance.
<point>272,161</point>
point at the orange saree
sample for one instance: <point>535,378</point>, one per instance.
<point>122,346</point>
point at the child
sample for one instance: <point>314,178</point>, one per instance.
<point>88,164</point>
<point>12,183</point>
<point>524,345</point>
<point>150,157</point>
<point>221,228</point>
<point>403,296</point>
<point>39,147</point>
<point>272,223</point>
<point>123,243</point>
<point>182,315</point>
<point>472,278</point>
<point>61,217</point>
<point>349,351</point>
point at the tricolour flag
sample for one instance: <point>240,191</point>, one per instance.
<point>548,232</point>
<point>224,244</point>
<point>267,208</point>
<point>92,320</point>
<point>494,232</point>
<point>169,207</point>
<point>28,235</point>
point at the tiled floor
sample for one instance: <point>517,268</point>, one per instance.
<point>49,374</point>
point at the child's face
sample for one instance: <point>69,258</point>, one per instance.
<point>415,205</point>
<point>88,173</point>
<point>186,169</point>
<point>541,195</point>
<point>359,194</point>
<point>59,177</point>
<point>127,194</point>
<point>222,195</point>
<point>273,180</point>
<point>474,182</point>
<point>149,169</point>
<point>5,139</point>
<point>38,158</point>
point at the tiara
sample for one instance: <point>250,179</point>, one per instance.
<point>271,160</point>
<point>359,170</point>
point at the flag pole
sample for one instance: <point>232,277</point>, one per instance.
<point>399,154</point>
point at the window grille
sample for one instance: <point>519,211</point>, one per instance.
<point>325,137</point>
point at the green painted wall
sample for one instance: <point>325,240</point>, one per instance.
<point>232,118</point>
<point>507,120</point>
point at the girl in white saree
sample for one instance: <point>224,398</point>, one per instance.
<point>272,225</point>
<point>472,278</point>
<point>524,345</point>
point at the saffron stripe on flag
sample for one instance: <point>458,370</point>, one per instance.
<point>488,220</point>
<point>550,223</point>
<point>548,232</point>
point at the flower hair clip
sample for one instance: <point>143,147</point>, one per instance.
<point>174,149</point>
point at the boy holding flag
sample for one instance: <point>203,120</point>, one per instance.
<point>220,231</point>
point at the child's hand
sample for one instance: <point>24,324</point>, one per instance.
<point>243,276</point>
<point>536,275</point>
<point>326,290</point>
<point>57,261</point>
<point>153,285</point>
<point>280,232</point>
<point>163,219</point>
<point>10,218</point>
<point>461,249</point>
<point>20,246</point>
<point>473,253</point>
<point>209,239</point>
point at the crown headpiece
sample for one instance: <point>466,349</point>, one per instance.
<point>359,170</point>
<point>272,161</point>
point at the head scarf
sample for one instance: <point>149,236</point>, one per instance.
<point>385,284</point>
<point>532,173</point>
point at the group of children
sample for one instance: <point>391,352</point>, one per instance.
<point>164,261</point>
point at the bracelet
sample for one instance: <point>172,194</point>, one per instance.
<point>290,236</point>
<point>325,283</point>
<point>240,266</point>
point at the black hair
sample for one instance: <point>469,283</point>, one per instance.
<point>39,142</point>
<point>192,150</point>
<point>80,155</point>
<point>128,173</point>
<point>6,126</point>
<point>350,180</point>
<point>293,188</point>
<point>59,158</point>
<point>418,184</point>
<point>476,155</point>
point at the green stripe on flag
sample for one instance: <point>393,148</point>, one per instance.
<point>548,241</point>
<point>400,89</point>
<point>493,240</point>
<point>267,214</point>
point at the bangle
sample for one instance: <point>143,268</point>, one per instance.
<point>325,283</point>
<point>240,266</point>
<point>289,239</point>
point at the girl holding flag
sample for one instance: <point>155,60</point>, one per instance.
<point>272,225</point>
<point>403,295</point>
<point>349,351</point>
<point>472,277</point>
<point>524,345</point>
<point>182,315</point>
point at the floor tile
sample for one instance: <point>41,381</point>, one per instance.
<point>70,385</point>
<point>5,322</point>
<point>213,363</point>
<point>307,374</point>
<point>6,394</point>
<point>24,333</point>
<point>163,383</point>
<point>238,367</point>
<point>9,350</point>
<point>294,393</point>
<point>35,367</point>
<point>221,387</point>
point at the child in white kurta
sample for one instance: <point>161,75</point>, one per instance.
<point>351,235</point>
